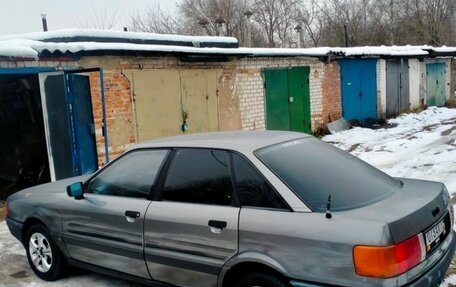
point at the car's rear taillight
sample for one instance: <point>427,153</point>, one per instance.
<point>389,261</point>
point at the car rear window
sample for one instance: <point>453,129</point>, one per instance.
<point>315,170</point>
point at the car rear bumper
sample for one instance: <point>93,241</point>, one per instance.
<point>15,228</point>
<point>432,278</point>
<point>436,274</point>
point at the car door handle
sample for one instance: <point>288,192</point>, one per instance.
<point>217,224</point>
<point>132,214</point>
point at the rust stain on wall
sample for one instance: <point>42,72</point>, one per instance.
<point>229,111</point>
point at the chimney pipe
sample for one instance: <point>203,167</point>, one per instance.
<point>248,41</point>
<point>44,22</point>
<point>203,23</point>
<point>219,23</point>
<point>298,30</point>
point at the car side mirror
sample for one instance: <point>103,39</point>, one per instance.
<point>76,190</point>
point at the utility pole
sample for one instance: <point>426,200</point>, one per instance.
<point>44,22</point>
<point>346,35</point>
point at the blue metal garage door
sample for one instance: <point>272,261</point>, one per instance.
<point>359,89</point>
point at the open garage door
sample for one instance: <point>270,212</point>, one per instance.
<point>69,124</point>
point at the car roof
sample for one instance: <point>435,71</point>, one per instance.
<point>240,140</point>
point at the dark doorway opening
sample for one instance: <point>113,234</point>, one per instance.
<point>23,154</point>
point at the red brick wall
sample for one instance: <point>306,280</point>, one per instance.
<point>332,109</point>
<point>119,113</point>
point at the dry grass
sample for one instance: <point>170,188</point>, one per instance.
<point>414,110</point>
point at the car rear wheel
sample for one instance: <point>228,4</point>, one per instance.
<point>43,255</point>
<point>260,280</point>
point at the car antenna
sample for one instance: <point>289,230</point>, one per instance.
<point>328,208</point>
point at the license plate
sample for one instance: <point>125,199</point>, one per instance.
<point>436,234</point>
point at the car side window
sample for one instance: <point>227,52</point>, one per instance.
<point>199,176</point>
<point>131,176</point>
<point>252,188</point>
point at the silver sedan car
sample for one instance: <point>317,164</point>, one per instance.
<point>242,209</point>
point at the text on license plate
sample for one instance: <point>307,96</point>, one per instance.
<point>433,235</point>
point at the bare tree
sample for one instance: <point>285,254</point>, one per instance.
<point>310,17</point>
<point>369,22</point>
<point>230,11</point>
<point>155,20</point>
<point>277,19</point>
<point>429,21</point>
<point>105,18</point>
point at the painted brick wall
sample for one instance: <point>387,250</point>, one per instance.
<point>381,88</point>
<point>59,65</point>
<point>453,79</point>
<point>250,89</point>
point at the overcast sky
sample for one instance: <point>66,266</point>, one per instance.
<point>22,16</point>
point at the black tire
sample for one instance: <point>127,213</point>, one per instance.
<point>49,261</point>
<point>260,280</point>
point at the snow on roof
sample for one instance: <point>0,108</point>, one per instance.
<point>17,49</point>
<point>35,44</point>
<point>444,49</point>
<point>66,35</point>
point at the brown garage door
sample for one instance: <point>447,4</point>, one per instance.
<point>165,98</point>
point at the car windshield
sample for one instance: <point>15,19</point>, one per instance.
<point>315,170</point>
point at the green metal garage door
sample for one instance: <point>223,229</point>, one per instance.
<point>288,99</point>
<point>435,84</point>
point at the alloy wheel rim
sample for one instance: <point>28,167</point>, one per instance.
<point>40,252</point>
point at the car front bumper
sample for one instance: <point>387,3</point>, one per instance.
<point>15,228</point>
<point>432,278</point>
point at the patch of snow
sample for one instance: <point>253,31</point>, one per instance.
<point>421,146</point>
<point>18,49</point>
<point>449,281</point>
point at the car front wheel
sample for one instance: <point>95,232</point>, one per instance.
<point>260,280</point>
<point>43,255</point>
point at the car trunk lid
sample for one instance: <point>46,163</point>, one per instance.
<point>412,209</point>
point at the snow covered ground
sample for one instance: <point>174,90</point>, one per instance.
<point>421,146</point>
